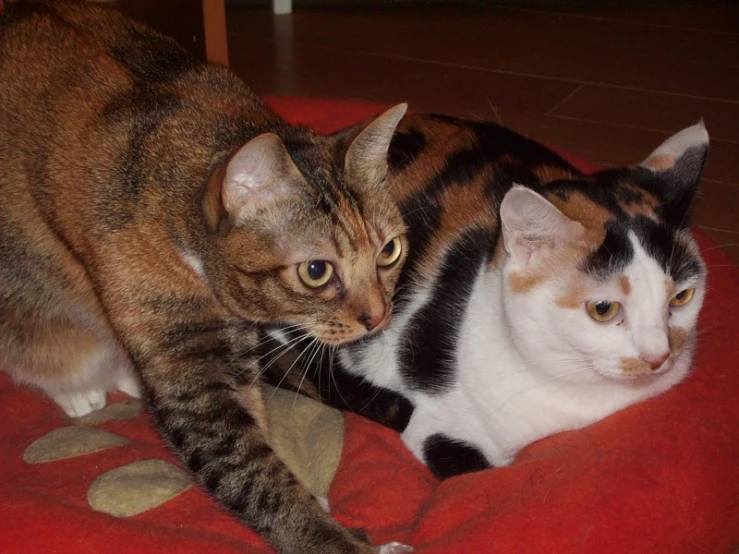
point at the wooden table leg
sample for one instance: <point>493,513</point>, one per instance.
<point>214,22</point>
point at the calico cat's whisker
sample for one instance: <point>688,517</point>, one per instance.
<point>720,246</point>
<point>498,119</point>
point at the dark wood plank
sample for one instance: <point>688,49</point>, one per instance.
<point>298,69</point>
<point>482,40</point>
<point>651,110</point>
<point>604,84</point>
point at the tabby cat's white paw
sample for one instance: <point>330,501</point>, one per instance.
<point>324,504</point>
<point>78,404</point>
<point>129,384</point>
<point>394,548</point>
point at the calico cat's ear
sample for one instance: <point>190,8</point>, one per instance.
<point>366,158</point>
<point>679,162</point>
<point>259,174</point>
<point>532,226</point>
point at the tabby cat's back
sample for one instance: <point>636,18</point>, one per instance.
<point>155,213</point>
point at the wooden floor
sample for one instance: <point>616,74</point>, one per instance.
<point>605,84</point>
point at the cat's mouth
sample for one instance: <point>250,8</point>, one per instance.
<point>633,370</point>
<point>348,338</point>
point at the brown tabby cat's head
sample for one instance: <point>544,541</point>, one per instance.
<point>305,232</point>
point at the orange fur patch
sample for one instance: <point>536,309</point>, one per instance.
<point>677,336</point>
<point>660,162</point>
<point>625,284</point>
<point>576,292</point>
<point>670,287</point>
<point>645,207</point>
<point>522,283</point>
<point>634,366</point>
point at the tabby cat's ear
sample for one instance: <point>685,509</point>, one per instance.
<point>533,227</point>
<point>366,158</point>
<point>679,162</point>
<point>259,174</point>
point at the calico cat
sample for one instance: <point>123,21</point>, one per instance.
<point>155,214</point>
<point>535,298</point>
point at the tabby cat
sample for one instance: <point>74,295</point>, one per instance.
<point>154,214</point>
<point>535,298</point>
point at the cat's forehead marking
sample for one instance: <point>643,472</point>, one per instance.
<point>522,283</point>
<point>635,201</point>
<point>578,207</point>
<point>670,286</point>
<point>573,296</point>
<point>624,284</point>
<point>555,264</point>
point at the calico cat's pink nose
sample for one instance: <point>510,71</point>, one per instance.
<point>370,321</point>
<point>655,361</point>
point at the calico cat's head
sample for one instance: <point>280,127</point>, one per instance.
<point>602,274</point>
<point>306,232</point>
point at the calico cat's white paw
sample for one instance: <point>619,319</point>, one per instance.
<point>394,548</point>
<point>78,404</point>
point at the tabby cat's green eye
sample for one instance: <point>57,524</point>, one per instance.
<point>390,253</point>
<point>315,273</point>
<point>682,297</point>
<point>603,310</point>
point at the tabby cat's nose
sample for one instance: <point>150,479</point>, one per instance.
<point>370,321</point>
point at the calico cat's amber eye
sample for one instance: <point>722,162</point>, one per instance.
<point>682,298</point>
<point>602,310</point>
<point>390,253</point>
<point>315,273</point>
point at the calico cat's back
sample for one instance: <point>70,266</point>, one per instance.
<point>449,176</point>
<point>535,298</point>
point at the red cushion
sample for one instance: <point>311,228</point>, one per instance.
<point>662,476</point>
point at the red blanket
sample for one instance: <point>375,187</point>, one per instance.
<point>662,476</point>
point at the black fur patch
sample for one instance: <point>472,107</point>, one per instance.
<point>404,147</point>
<point>681,184</point>
<point>447,457</point>
<point>150,57</point>
<point>422,215</point>
<point>147,107</point>
<point>426,355</point>
<point>612,256</point>
<point>346,391</point>
<point>14,13</point>
<point>664,245</point>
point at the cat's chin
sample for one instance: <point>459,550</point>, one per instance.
<point>635,380</point>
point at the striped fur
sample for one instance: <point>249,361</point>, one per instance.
<point>491,346</point>
<point>154,212</point>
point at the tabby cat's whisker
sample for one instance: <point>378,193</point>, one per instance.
<point>317,347</point>
<point>295,361</point>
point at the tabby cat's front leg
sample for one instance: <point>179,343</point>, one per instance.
<point>195,380</point>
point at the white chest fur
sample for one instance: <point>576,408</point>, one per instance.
<point>500,402</point>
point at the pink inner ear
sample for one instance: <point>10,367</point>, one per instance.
<point>660,162</point>
<point>260,172</point>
